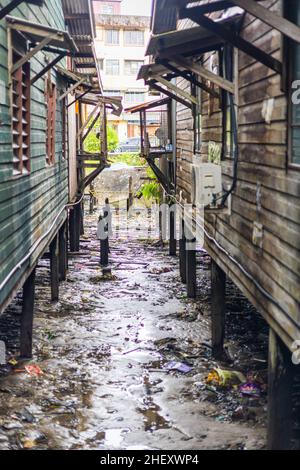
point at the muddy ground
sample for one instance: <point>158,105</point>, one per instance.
<point>104,349</point>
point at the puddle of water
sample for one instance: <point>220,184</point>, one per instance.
<point>114,437</point>
<point>152,418</point>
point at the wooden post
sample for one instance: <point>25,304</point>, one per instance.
<point>63,253</point>
<point>173,243</point>
<point>280,406</point>
<point>92,198</point>
<point>191,269</point>
<point>130,194</point>
<point>81,215</point>
<point>182,254</point>
<point>54,269</point>
<point>72,230</point>
<point>218,308</point>
<point>27,317</point>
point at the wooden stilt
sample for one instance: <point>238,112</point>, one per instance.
<point>63,254</point>
<point>173,243</point>
<point>104,252</point>
<point>27,317</point>
<point>72,231</point>
<point>182,254</point>
<point>130,194</point>
<point>81,215</point>
<point>191,271</point>
<point>54,269</point>
<point>280,406</point>
<point>218,308</point>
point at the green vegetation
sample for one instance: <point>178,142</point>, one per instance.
<point>92,142</point>
<point>131,159</point>
<point>151,190</point>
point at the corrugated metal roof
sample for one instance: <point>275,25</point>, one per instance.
<point>163,19</point>
<point>80,22</point>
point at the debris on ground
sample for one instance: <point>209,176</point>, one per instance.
<point>179,367</point>
<point>133,351</point>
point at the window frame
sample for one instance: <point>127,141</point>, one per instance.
<point>197,117</point>
<point>106,67</point>
<point>227,55</point>
<point>136,43</point>
<point>51,103</point>
<point>127,61</point>
<point>288,49</point>
<point>112,30</point>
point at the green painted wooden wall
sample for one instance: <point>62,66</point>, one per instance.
<point>29,203</point>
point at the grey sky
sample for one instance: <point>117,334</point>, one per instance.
<point>136,7</point>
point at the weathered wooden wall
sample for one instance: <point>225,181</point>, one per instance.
<point>29,203</point>
<point>267,192</point>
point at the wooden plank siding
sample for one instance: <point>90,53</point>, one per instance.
<point>262,173</point>
<point>29,203</point>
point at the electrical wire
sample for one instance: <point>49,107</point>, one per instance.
<point>245,272</point>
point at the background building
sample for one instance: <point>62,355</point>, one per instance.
<point>120,45</point>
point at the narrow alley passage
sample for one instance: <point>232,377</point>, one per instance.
<point>103,352</point>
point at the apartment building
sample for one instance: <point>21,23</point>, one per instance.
<point>120,45</point>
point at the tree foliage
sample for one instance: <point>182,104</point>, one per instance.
<point>92,143</point>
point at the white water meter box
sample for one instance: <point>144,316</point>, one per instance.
<point>207,182</point>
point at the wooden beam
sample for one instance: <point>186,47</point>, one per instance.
<point>27,317</point>
<point>14,4</point>
<point>218,306</point>
<point>162,90</point>
<point>271,18</point>
<point>33,52</point>
<point>175,89</point>
<point>48,67</point>
<point>187,76</point>
<point>233,38</point>
<point>72,88</point>
<point>87,122</point>
<point>80,97</point>
<point>91,126</point>
<point>204,73</point>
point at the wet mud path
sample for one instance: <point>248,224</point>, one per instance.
<point>104,350</point>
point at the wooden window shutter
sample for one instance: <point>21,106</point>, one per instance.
<point>21,118</point>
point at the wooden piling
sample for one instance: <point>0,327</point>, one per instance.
<point>173,242</point>
<point>27,317</point>
<point>63,253</point>
<point>218,309</point>
<point>54,269</point>
<point>280,405</point>
<point>182,254</point>
<point>72,230</point>
<point>191,269</point>
<point>130,194</point>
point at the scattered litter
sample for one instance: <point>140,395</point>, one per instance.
<point>160,271</point>
<point>50,335</point>
<point>250,390</point>
<point>179,366</point>
<point>13,362</point>
<point>131,351</point>
<point>34,370</point>
<point>29,444</point>
<point>225,378</point>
